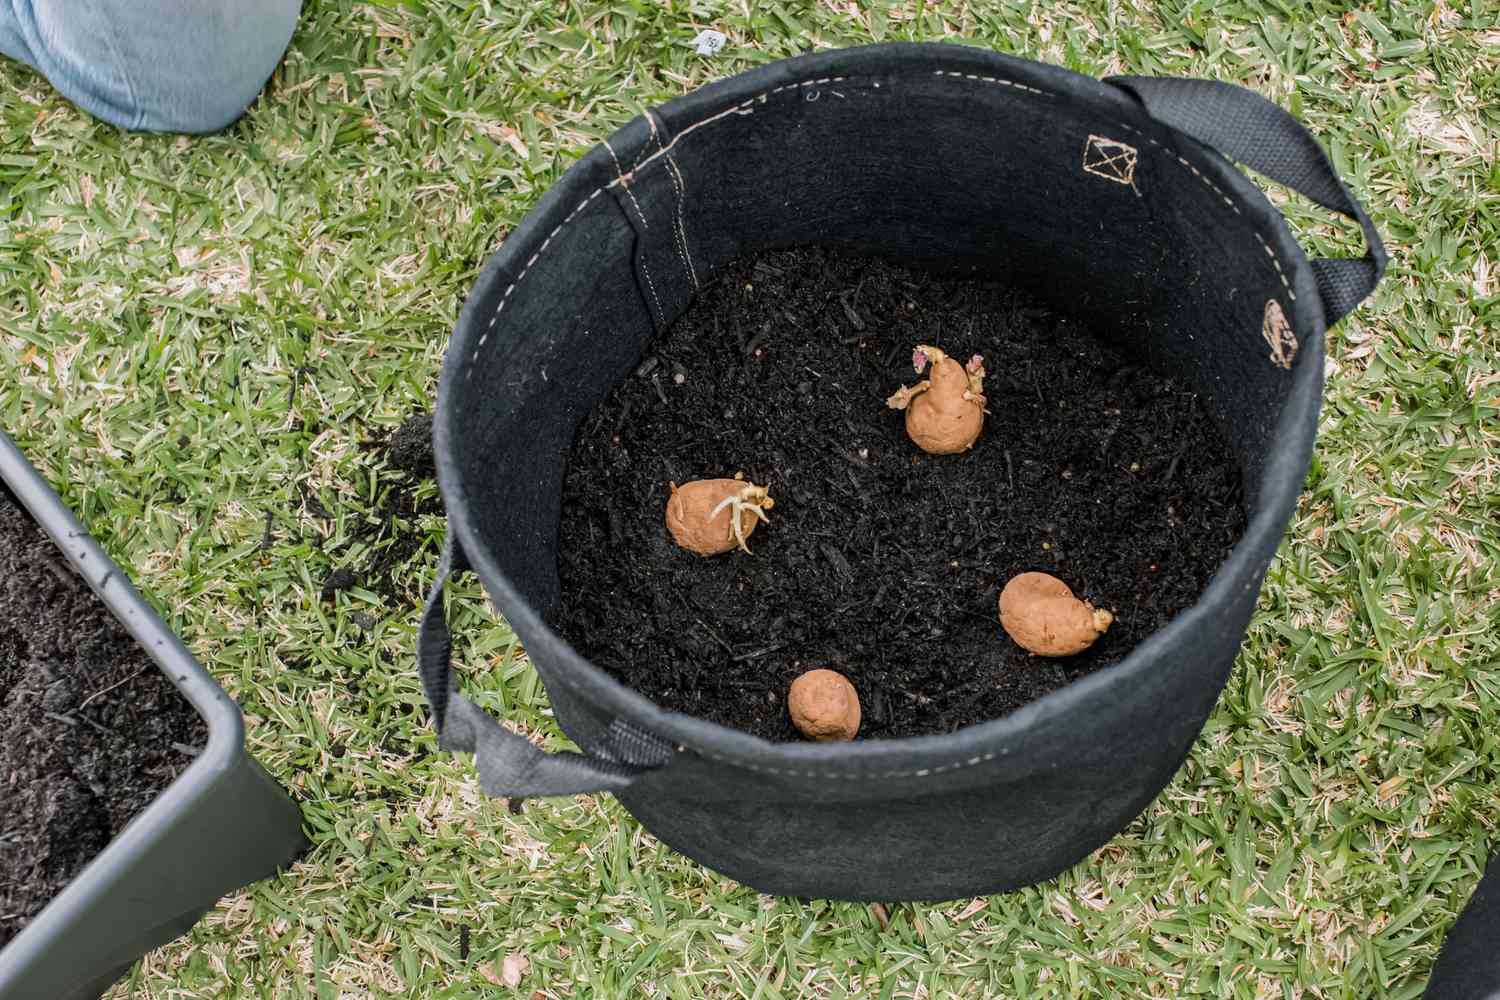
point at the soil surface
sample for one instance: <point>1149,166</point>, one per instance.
<point>91,731</point>
<point>880,561</point>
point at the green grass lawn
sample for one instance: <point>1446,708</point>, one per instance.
<point>200,337</point>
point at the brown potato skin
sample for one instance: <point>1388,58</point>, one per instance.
<point>940,421</point>
<point>824,706</point>
<point>687,516</point>
<point>1041,614</point>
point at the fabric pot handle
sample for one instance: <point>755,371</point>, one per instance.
<point>509,764</point>
<point>1246,127</point>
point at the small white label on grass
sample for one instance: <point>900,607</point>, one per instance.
<point>709,42</point>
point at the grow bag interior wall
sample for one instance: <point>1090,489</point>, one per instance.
<point>1117,221</point>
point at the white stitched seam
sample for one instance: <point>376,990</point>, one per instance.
<point>742,108</point>
<point>1000,81</point>
<point>678,242</point>
<point>629,193</point>
<point>652,285</point>
<point>645,147</point>
<point>469,372</point>
<point>679,233</point>
<point>645,269</point>
<point>793,773</point>
<point>1275,260</point>
<point>686,252</point>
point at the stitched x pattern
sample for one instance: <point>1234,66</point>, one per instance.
<point>1112,160</point>
<point>1278,333</point>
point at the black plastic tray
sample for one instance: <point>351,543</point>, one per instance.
<point>221,825</point>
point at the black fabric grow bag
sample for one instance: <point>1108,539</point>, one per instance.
<point>223,824</point>
<point>1469,966</point>
<point>1110,199</point>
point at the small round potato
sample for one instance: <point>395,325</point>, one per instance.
<point>1041,614</point>
<point>824,706</point>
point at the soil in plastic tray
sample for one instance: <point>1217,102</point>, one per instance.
<point>880,561</point>
<point>91,730</point>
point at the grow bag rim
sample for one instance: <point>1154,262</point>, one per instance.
<point>983,741</point>
<point>167,652</point>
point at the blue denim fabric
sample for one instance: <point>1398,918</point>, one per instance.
<point>155,65</point>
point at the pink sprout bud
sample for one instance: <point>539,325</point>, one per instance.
<point>975,363</point>
<point>919,360</point>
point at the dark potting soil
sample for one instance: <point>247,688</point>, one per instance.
<point>880,561</point>
<point>91,731</point>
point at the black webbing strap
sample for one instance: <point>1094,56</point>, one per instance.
<point>508,763</point>
<point>1250,129</point>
